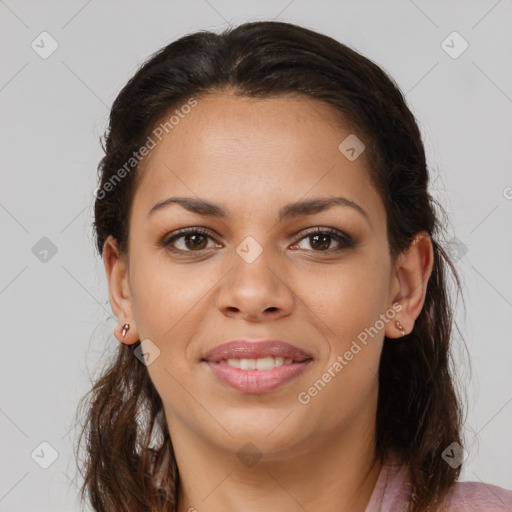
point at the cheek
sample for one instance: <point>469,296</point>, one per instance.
<point>349,303</point>
<point>348,298</point>
<point>346,381</point>
<point>166,296</point>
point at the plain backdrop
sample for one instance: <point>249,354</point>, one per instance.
<point>56,324</point>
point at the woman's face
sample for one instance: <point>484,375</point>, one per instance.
<point>260,273</point>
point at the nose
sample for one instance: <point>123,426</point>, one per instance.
<point>256,291</point>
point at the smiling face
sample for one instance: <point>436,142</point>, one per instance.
<point>252,267</point>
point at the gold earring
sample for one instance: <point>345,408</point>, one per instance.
<point>400,328</point>
<point>125,328</point>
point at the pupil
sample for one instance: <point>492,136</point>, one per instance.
<point>324,245</point>
<point>194,237</point>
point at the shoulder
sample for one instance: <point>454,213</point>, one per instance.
<point>476,497</point>
<point>392,493</point>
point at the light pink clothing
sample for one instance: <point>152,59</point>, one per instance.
<point>391,493</point>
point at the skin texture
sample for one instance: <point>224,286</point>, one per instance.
<point>253,156</point>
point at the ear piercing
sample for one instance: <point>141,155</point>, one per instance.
<point>125,328</point>
<point>400,328</point>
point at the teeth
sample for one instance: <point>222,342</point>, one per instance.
<point>264,363</point>
<point>247,364</point>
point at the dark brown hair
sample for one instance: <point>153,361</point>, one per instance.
<point>419,413</point>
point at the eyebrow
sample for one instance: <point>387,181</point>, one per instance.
<point>289,211</point>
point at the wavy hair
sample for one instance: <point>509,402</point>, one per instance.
<point>419,413</point>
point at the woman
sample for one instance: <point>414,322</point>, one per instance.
<point>272,256</point>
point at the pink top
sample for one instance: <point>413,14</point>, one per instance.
<point>390,493</point>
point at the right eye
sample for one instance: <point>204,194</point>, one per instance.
<point>194,240</point>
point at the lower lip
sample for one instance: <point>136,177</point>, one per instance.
<point>257,381</point>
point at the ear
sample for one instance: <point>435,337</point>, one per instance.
<point>116,268</point>
<point>411,275</point>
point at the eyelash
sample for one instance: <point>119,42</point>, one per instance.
<point>339,236</point>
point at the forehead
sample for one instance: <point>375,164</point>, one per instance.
<point>245,151</point>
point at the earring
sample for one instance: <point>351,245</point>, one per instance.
<point>399,327</point>
<point>125,328</point>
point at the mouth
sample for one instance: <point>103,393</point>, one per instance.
<point>256,367</point>
<point>243,350</point>
<point>263,363</point>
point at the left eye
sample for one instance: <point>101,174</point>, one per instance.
<point>322,238</point>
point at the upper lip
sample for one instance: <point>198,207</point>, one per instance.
<point>242,349</point>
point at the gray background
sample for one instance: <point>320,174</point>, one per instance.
<point>57,324</point>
